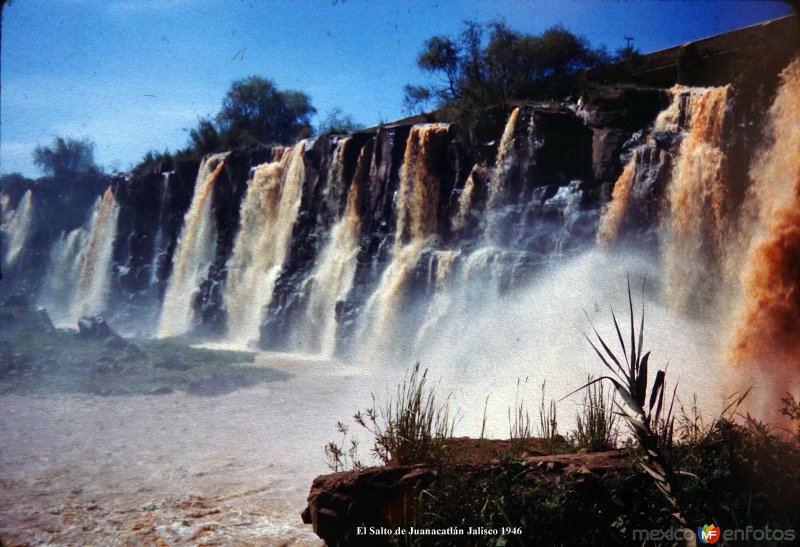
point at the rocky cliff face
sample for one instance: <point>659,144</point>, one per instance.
<point>341,232</point>
<point>527,181</point>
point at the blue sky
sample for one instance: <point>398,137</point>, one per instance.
<point>133,74</point>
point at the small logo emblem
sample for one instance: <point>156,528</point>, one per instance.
<point>709,533</point>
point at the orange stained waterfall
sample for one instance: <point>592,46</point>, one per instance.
<point>695,225</point>
<point>498,183</point>
<point>614,212</point>
<point>194,252</point>
<point>94,280</point>
<point>768,323</point>
<point>417,205</point>
<point>267,217</point>
<point>333,276</point>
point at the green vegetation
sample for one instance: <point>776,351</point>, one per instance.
<point>676,471</point>
<point>519,423</point>
<point>412,428</point>
<point>41,361</point>
<point>651,421</point>
<point>66,157</point>
<point>473,73</point>
<point>596,427</point>
<point>521,432</point>
<point>737,475</point>
<point>254,113</point>
<point>337,122</point>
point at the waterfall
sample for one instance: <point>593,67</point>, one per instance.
<point>160,242</point>
<point>267,217</point>
<point>94,276</point>
<point>63,274</point>
<point>768,331</point>
<point>16,227</point>
<point>334,188</point>
<point>194,252</point>
<point>498,190</point>
<point>614,211</point>
<point>417,207</point>
<point>442,266</point>
<point>333,277</point>
<point>466,200</point>
<point>498,184</point>
<point>694,225</point>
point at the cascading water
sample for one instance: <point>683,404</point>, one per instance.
<point>335,187</point>
<point>768,331</point>
<point>94,277</point>
<point>693,223</point>
<point>498,184</point>
<point>499,191</point>
<point>160,241</point>
<point>268,214</point>
<point>614,212</point>
<point>64,271</point>
<point>194,252</point>
<point>333,277</point>
<point>465,202</point>
<point>442,266</point>
<point>694,226</point>
<point>417,206</point>
<point>16,228</point>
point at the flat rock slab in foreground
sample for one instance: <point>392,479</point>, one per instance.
<point>377,497</point>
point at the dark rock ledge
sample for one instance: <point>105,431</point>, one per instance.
<point>377,497</point>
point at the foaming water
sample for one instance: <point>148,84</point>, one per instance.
<point>417,204</point>
<point>268,215</point>
<point>767,336</point>
<point>332,279</point>
<point>17,225</point>
<point>194,252</point>
<point>614,212</point>
<point>94,276</point>
<point>62,277</point>
<point>537,332</point>
<point>693,234</point>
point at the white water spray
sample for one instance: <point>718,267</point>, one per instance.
<point>16,227</point>
<point>94,278</point>
<point>194,252</point>
<point>267,217</point>
<point>333,276</point>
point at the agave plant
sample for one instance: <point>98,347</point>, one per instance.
<point>650,420</point>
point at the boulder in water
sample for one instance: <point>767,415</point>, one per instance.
<point>95,328</point>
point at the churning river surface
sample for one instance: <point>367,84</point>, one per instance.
<point>169,469</point>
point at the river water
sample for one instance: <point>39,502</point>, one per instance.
<point>170,469</point>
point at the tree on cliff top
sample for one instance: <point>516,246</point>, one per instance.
<point>255,112</point>
<point>510,66</point>
<point>336,121</point>
<point>66,157</point>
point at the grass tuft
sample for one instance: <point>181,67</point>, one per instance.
<point>597,426</point>
<point>412,427</point>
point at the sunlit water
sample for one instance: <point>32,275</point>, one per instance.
<point>85,469</point>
